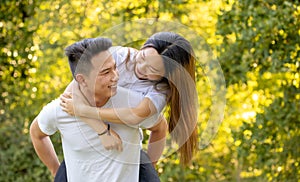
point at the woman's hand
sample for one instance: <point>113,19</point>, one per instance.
<point>112,141</point>
<point>66,103</point>
<point>73,102</point>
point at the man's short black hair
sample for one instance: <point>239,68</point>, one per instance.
<point>80,53</point>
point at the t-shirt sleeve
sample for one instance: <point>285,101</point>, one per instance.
<point>150,121</point>
<point>47,119</point>
<point>158,99</point>
<point>129,98</point>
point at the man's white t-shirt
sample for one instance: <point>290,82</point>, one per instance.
<point>85,157</point>
<point>129,80</point>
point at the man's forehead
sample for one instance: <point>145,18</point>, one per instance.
<point>100,60</point>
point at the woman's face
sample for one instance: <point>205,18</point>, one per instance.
<point>149,65</point>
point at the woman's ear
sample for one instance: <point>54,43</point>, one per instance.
<point>81,80</point>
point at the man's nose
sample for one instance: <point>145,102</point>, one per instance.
<point>115,75</point>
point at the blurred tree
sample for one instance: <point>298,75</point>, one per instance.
<point>260,51</point>
<point>18,63</point>
<point>260,35</point>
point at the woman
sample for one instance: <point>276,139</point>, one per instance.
<point>168,60</point>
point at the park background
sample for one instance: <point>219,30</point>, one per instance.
<point>256,43</point>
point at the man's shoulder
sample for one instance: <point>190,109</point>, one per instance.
<point>52,110</point>
<point>52,105</point>
<point>48,116</point>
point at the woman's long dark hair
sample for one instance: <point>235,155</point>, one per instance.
<point>179,63</point>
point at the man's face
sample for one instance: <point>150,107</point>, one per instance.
<point>103,78</point>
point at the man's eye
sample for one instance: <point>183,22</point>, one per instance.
<point>104,73</point>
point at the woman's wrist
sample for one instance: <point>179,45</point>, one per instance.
<point>84,111</point>
<point>98,110</point>
<point>90,112</point>
<point>107,130</point>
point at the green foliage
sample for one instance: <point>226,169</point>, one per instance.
<point>19,93</point>
<point>260,35</point>
<point>268,147</point>
<point>262,38</point>
<point>256,42</point>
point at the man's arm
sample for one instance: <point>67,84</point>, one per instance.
<point>157,140</point>
<point>44,147</point>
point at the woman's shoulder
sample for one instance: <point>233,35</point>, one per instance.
<point>121,54</point>
<point>122,51</point>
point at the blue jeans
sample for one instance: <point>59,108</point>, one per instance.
<point>147,171</point>
<point>61,174</point>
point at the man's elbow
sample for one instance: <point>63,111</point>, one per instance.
<point>32,128</point>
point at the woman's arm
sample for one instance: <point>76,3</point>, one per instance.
<point>131,116</point>
<point>111,140</point>
<point>157,140</point>
<point>74,103</point>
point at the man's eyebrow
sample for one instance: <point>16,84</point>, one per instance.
<point>108,68</point>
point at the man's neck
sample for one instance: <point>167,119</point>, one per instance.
<point>94,99</point>
<point>99,102</point>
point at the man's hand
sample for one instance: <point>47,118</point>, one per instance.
<point>112,141</point>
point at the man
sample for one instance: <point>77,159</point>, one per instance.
<point>85,155</point>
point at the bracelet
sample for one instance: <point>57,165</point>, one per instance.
<point>106,131</point>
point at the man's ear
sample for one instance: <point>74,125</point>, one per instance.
<point>81,80</point>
